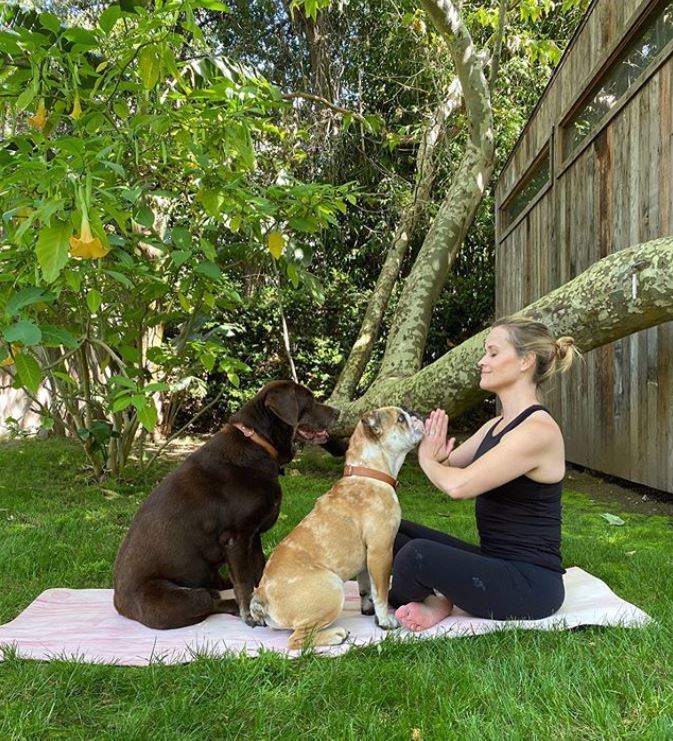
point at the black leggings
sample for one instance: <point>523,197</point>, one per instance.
<point>484,586</point>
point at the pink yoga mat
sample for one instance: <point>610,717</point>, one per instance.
<point>82,625</point>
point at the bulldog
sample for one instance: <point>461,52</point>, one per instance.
<point>349,533</point>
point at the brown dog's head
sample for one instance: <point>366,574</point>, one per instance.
<point>283,411</point>
<point>392,428</point>
<point>297,407</point>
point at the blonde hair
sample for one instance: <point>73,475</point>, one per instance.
<point>552,355</point>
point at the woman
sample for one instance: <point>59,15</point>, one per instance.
<point>514,465</point>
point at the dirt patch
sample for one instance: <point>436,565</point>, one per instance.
<point>622,495</point>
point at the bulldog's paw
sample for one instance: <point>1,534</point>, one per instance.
<point>389,622</point>
<point>334,637</point>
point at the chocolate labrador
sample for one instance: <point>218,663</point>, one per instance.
<point>211,510</point>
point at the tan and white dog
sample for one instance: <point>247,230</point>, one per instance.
<point>349,532</point>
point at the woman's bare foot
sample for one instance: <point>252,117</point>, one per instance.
<point>423,615</point>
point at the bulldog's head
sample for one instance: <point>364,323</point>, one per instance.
<point>392,428</point>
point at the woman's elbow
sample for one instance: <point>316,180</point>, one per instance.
<point>457,492</point>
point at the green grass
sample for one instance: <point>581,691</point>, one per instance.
<point>58,530</point>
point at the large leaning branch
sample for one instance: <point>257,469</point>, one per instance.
<point>623,293</point>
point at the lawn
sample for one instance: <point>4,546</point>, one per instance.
<point>58,529</point>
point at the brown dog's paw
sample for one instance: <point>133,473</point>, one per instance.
<point>366,605</point>
<point>226,606</point>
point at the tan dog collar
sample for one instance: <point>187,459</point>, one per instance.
<point>252,435</point>
<point>371,473</point>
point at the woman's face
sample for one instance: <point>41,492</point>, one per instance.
<point>500,366</point>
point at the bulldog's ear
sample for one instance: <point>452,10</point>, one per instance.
<point>283,403</point>
<point>372,424</point>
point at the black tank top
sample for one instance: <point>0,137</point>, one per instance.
<point>520,520</point>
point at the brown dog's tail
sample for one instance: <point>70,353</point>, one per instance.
<point>258,607</point>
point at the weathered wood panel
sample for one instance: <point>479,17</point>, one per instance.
<point>617,413</point>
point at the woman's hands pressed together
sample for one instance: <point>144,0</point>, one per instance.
<point>434,445</point>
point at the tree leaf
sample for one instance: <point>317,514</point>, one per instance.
<point>50,22</point>
<point>28,371</point>
<point>292,274</point>
<point>211,200</point>
<point>121,108</point>
<point>24,332</point>
<point>8,43</point>
<point>123,381</point>
<point>145,216</point>
<point>179,257</point>
<point>121,403</point>
<point>181,237</point>
<point>66,378</point>
<point>94,300</point>
<point>52,249</point>
<point>301,224</point>
<point>612,519</point>
<point>56,336</point>
<point>209,269</point>
<point>148,417</point>
<point>74,280</point>
<point>149,63</point>
<point>211,5</point>
<point>120,278</point>
<point>26,297</point>
<point>152,388</point>
<point>238,136</point>
<point>25,99</point>
<point>109,17</point>
<point>184,302</point>
<point>81,36</point>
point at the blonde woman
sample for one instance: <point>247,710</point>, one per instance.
<point>514,466</point>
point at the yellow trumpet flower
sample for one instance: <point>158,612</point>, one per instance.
<point>76,108</point>
<point>39,120</point>
<point>86,245</point>
<point>276,243</point>
<point>9,360</point>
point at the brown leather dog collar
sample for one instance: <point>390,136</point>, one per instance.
<point>371,473</point>
<point>252,435</point>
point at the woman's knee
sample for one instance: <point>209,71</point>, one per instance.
<point>411,554</point>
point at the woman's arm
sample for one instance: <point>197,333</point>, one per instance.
<point>464,454</point>
<point>534,445</point>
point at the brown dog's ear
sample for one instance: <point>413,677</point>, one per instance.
<point>372,424</point>
<point>283,403</point>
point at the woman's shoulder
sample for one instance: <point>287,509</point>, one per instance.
<point>542,415</point>
<point>541,422</point>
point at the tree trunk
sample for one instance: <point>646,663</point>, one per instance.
<point>406,340</point>
<point>623,293</point>
<point>358,358</point>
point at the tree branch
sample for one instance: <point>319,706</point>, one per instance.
<point>326,103</point>
<point>626,292</point>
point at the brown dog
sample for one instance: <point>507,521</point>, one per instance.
<point>212,510</point>
<point>349,533</point>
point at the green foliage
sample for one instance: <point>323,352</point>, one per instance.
<point>138,169</point>
<point>187,167</point>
